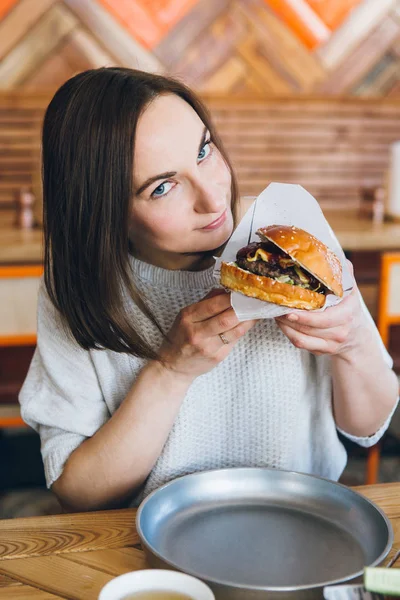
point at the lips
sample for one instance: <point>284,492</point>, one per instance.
<point>217,223</point>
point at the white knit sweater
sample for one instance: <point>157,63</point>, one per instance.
<point>268,404</point>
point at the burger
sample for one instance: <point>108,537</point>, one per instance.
<point>289,266</point>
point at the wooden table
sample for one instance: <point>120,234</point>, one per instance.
<point>360,235</point>
<point>73,556</point>
<point>18,246</point>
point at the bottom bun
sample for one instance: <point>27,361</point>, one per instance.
<point>268,289</point>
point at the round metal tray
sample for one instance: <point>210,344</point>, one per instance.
<point>263,533</point>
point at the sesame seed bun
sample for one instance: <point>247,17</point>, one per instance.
<point>309,252</point>
<point>305,250</point>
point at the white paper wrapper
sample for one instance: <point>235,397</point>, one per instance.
<point>280,204</point>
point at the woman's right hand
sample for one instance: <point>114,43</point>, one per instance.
<point>194,345</point>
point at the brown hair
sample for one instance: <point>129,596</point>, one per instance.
<point>88,153</point>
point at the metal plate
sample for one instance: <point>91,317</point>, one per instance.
<point>247,532</point>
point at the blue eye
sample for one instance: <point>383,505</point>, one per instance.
<point>205,151</point>
<point>162,189</point>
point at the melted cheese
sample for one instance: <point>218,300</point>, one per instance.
<point>260,255</point>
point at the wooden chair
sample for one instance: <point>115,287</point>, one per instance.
<point>388,314</point>
<point>18,304</point>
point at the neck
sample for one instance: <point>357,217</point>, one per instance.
<point>180,262</point>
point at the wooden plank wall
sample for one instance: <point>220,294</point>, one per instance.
<point>20,123</point>
<point>257,47</point>
<point>332,147</point>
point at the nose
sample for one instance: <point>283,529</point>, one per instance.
<point>210,198</point>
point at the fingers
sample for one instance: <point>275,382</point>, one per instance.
<point>237,332</point>
<point>331,317</point>
<point>216,302</point>
<point>305,342</point>
<point>217,347</point>
<point>219,323</point>
<point>338,334</point>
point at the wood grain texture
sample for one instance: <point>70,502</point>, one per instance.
<point>365,57</point>
<point>79,575</point>
<point>333,148</point>
<point>333,12</point>
<point>82,43</point>
<point>40,41</point>
<point>356,28</point>
<point>177,41</point>
<point>26,592</point>
<point>59,576</point>
<point>78,52</point>
<point>18,21</point>
<point>211,51</point>
<point>117,40</point>
<point>7,582</point>
<point>304,22</point>
<point>16,103</point>
<point>230,74</point>
<point>381,78</point>
<point>387,497</point>
<point>114,562</point>
<point>281,49</point>
<point>54,70</point>
<point>394,91</point>
<point>74,533</point>
<point>148,22</point>
<point>230,46</point>
<point>19,150</point>
<point>252,54</point>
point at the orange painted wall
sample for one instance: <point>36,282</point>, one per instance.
<point>149,20</point>
<point>333,12</point>
<point>329,13</point>
<point>5,6</point>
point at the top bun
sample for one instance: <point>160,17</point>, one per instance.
<point>308,252</point>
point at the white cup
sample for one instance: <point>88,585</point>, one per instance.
<point>151,580</point>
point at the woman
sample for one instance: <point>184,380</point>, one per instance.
<point>142,371</point>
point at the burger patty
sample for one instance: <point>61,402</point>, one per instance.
<point>273,268</point>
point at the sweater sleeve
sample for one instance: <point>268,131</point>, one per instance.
<point>61,398</point>
<point>369,441</point>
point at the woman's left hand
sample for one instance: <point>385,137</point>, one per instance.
<point>335,331</point>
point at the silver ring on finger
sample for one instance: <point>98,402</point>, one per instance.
<point>223,338</point>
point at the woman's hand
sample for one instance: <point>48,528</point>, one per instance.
<point>203,335</point>
<point>335,331</point>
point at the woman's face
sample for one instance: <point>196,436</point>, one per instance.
<point>182,187</point>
